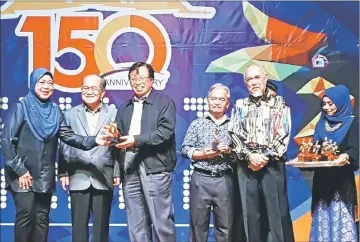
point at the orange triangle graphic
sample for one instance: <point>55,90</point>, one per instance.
<point>320,85</point>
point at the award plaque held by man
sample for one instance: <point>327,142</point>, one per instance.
<point>113,130</point>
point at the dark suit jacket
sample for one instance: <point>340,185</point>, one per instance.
<point>156,143</point>
<point>96,167</point>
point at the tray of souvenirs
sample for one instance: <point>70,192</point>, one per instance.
<point>316,155</point>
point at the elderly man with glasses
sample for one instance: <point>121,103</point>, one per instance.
<point>89,175</point>
<point>147,156</point>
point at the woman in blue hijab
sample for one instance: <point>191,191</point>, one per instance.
<point>29,145</point>
<point>39,110</point>
<point>334,190</point>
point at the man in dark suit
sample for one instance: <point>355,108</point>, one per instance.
<point>147,155</point>
<point>91,174</point>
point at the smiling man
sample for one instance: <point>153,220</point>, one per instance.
<point>147,157</point>
<point>91,174</point>
<point>260,130</point>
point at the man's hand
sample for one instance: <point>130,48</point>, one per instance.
<point>224,148</point>
<point>25,181</point>
<point>257,161</point>
<point>209,153</point>
<point>64,181</point>
<point>103,140</point>
<point>342,160</point>
<point>126,142</point>
<point>116,181</point>
<point>254,168</point>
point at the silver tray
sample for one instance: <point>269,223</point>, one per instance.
<point>310,164</point>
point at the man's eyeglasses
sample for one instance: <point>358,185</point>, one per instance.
<point>140,78</point>
<point>94,90</point>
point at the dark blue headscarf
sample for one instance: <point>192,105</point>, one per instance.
<point>41,116</point>
<point>340,96</point>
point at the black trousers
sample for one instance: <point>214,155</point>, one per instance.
<point>238,227</point>
<point>271,181</point>
<point>32,216</point>
<point>97,202</point>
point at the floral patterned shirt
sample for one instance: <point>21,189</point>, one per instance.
<point>201,134</point>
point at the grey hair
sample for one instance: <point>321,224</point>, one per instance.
<point>102,83</point>
<point>254,64</point>
<point>219,86</point>
<point>102,80</point>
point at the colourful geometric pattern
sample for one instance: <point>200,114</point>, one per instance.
<point>317,86</point>
<point>307,132</point>
<point>290,49</point>
<point>239,60</point>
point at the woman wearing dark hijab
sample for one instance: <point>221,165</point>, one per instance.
<point>334,189</point>
<point>29,144</point>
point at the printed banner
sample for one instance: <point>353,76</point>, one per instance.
<point>305,47</point>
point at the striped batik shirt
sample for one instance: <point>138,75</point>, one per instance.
<point>260,126</point>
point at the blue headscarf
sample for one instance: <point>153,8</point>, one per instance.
<point>41,116</point>
<point>340,96</point>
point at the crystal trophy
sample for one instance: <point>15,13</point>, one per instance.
<point>113,130</point>
<point>216,141</point>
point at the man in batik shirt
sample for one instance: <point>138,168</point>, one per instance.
<point>260,130</point>
<point>207,145</point>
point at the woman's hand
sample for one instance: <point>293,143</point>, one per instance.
<point>342,160</point>
<point>25,181</point>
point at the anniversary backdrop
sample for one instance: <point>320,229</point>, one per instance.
<point>305,47</point>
